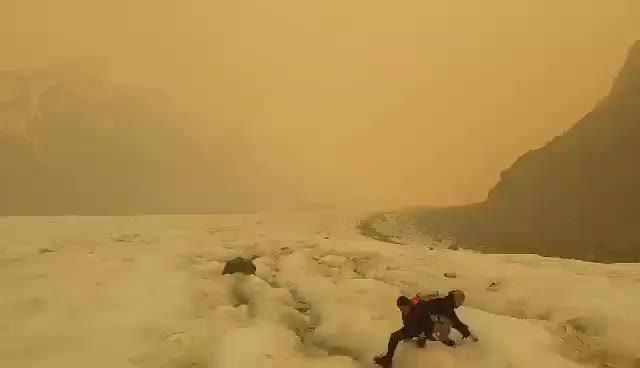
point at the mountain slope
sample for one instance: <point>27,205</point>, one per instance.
<point>73,144</point>
<point>578,196</point>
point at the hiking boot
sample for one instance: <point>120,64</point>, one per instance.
<point>449,343</point>
<point>383,361</point>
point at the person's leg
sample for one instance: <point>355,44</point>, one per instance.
<point>394,340</point>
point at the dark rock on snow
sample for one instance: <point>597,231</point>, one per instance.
<point>239,265</point>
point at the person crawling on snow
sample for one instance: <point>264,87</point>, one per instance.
<point>427,319</point>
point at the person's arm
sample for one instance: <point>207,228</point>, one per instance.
<point>459,325</point>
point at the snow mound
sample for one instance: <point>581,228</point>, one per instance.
<point>314,302</point>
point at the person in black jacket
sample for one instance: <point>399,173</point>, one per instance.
<point>422,318</point>
<point>443,314</point>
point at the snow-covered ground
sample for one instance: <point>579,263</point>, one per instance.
<point>148,292</point>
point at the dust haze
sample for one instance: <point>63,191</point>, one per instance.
<point>403,103</point>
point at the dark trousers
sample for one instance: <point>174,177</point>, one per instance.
<point>394,340</point>
<point>400,335</point>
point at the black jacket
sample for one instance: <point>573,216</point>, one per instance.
<point>445,306</point>
<point>419,319</point>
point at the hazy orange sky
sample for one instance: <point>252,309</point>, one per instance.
<point>403,102</point>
